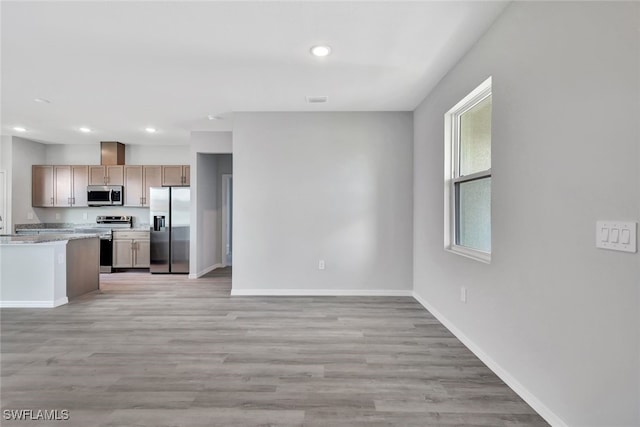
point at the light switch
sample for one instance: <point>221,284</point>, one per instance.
<point>616,235</point>
<point>625,236</point>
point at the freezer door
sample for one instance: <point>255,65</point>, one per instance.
<point>159,220</point>
<point>180,218</point>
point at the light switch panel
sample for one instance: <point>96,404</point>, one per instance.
<point>616,235</point>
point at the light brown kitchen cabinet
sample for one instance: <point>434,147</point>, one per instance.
<point>137,180</point>
<point>42,186</point>
<point>79,182</point>
<point>133,186</point>
<point>141,255</point>
<point>106,175</point>
<point>131,249</point>
<point>122,253</point>
<point>176,175</point>
<point>152,178</point>
<point>59,186</point>
<point>70,185</point>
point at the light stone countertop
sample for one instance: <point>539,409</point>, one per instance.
<point>66,227</point>
<point>12,239</point>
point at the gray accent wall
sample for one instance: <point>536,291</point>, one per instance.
<point>331,186</point>
<point>554,315</point>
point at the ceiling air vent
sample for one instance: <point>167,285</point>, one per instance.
<point>317,99</point>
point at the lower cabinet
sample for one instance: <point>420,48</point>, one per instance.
<point>131,249</point>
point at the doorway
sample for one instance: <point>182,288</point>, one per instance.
<point>214,200</point>
<point>3,203</point>
<point>227,219</point>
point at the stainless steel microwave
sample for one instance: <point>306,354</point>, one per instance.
<point>105,195</point>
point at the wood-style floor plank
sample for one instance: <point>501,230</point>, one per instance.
<point>162,350</point>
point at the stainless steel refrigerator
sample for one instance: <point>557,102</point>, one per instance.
<point>169,210</point>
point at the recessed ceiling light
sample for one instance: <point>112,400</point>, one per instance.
<point>42,101</point>
<point>84,129</point>
<point>320,50</point>
<point>150,130</point>
<point>19,129</point>
<point>213,117</point>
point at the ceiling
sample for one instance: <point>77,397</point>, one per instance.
<point>120,66</point>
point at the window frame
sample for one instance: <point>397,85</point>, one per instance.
<point>452,176</point>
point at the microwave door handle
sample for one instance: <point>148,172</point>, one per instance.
<point>110,197</point>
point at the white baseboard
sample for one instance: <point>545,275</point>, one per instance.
<point>34,304</point>
<point>205,271</point>
<point>321,292</point>
<point>505,376</point>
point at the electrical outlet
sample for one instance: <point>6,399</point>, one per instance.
<point>321,264</point>
<point>60,258</point>
<point>463,294</point>
<point>29,215</point>
<point>57,216</point>
<point>85,215</point>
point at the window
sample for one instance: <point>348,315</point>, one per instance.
<point>468,175</point>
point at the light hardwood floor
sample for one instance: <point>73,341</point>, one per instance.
<point>159,350</point>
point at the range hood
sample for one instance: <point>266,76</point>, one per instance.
<point>111,153</point>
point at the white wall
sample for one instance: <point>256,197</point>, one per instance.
<point>157,154</point>
<point>556,316</point>
<point>332,186</point>
<point>72,154</point>
<point>204,145</point>
<point>25,153</point>
<point>6,157</point>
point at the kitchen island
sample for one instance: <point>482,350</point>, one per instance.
<point>46,270</point>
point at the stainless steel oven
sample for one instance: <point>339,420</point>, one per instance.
<point>106,253</point>
<point>104,229</point>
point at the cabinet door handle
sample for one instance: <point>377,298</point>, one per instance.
<point>52,200</point>
<point>73,199</point>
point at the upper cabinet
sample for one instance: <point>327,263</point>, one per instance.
<point>137,180</point>
<point>106,175</point>
<point>42,186</point>
<point>176,175</point>
<point>152,178</point>
<point>133,186</point>
<point>59,186</point>
<point>80,180</point>
<point>66,186</point>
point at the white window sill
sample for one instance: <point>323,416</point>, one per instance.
<point>484,257</point>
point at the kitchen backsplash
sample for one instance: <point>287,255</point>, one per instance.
<point>87,215</point>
